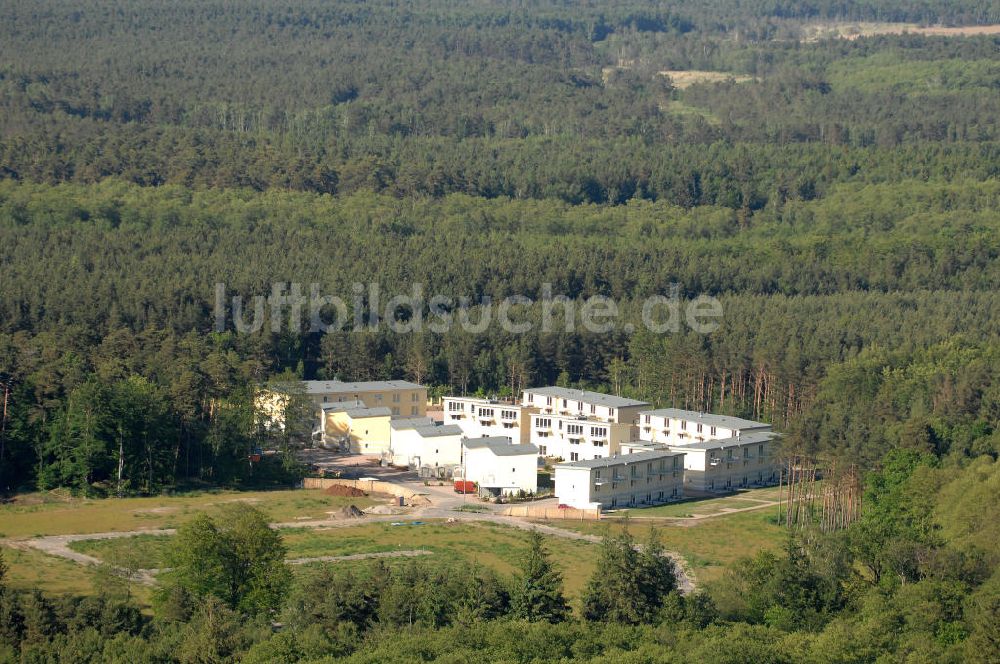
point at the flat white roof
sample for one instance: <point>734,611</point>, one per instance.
<point>586,396</point>
<point>752,438</point>
<point>622,459</point>
<point>724,421</point>
<point>500,446</point>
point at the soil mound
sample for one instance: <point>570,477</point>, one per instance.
<point>349,512</point>
<point>345,491</point>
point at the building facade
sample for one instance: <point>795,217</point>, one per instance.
<point>673,426</point>
<point>579,425</point>
<point>743,461</point>
<point>499,467</point>
<point>583,403</point>
<point>627,480</point>
<point>364,430</point>
<point>487,418</point>
<point>574,438</point>
<point>420,444</point>
<point>401,397</point>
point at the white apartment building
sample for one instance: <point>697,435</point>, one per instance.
<point>574,438</point>
<point>499,467</point>
<point>744,460</point>
<point>420,443</point>
<point>627,480</point>
<point>579,425</point>
<point>488,418</point>
<point>582,403</point>
<point>673,426</point>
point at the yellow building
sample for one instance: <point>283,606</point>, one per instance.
<point>366,430</point>
<point>401,397</point>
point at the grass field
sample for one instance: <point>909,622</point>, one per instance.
<point>686,78</point>
<point>708,545</point>
<point>856,29</point>
<point>496,546</point>
<point>56,514</point>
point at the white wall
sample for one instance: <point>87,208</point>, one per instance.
<point>510,472</point>
<point>465,413</point>
<point>409,445</point>
<point>574,487</point>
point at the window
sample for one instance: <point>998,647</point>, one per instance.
<point>413,410</point>
<point>542,450</point>
<point>598,432</point>
<point>698,427</point>
<point>486,412</point>
<point>413,397</point>
<point>760,450</point>
<point>593,409</point>
<point>395,397</point>
<point>543,423</point>
<point>513,470</point>
<point>712,431</point>
<point>395,411</point>
<point>574,429</point>
<point>508,414</point>
<point>573,456</point>
<point>645,418</point>
<point>684,425</point>
<point>597,474</point>
<point>548,401</point>
<point>564,403</point>
<point>598,456</point>
<point>455,405</point>
<point>378,397</point>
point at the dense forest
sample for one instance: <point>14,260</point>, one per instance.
<point>839,198</point>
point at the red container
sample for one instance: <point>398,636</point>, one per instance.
<point>465,486</point>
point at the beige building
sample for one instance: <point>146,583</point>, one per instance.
<point>488,418</point>
<point>626,480</point>
<point>583,403</point>
<point>365,430</point>
<point>745,460</point>
<point>673,426</point>
<point>401,397</point>
<point>578,438</point>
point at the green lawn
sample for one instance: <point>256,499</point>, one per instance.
<point>496,546</point>
<point>709,545</point>
<point>47,514</point>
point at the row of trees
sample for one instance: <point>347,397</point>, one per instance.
<point>917,574</point>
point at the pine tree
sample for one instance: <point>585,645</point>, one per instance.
<point>538,593</point>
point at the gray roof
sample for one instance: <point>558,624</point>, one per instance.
<point>500,446</point>
<point>338,387</point>
<point>586,396</point>
<point>752,438</point>
<point>342,405</point>
<point>399,423</point>
<point>369,412</point>
<point>724,421</point>
<point>442,430</point>
<point>618,459</point>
